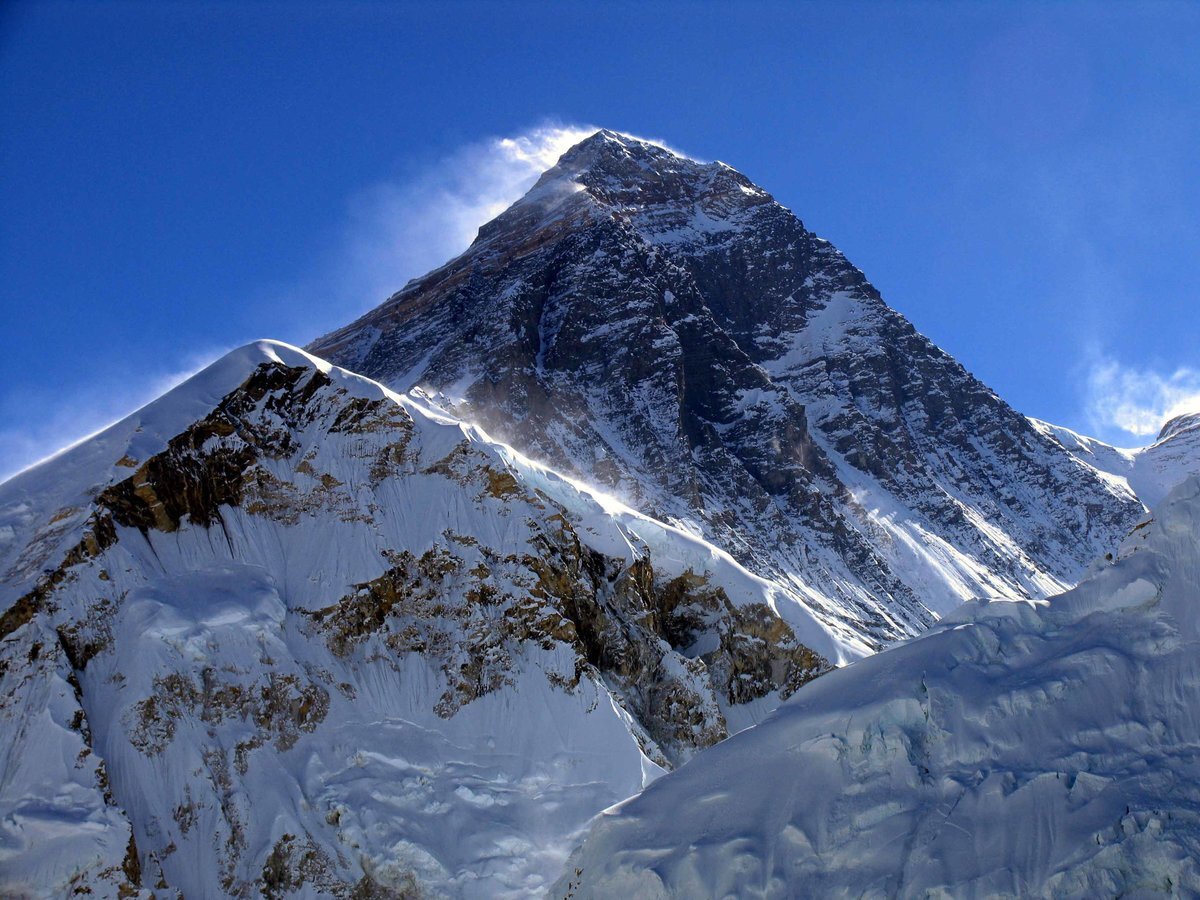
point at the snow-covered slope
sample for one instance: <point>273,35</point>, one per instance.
<point>664,329</point>
<point>286,632</point>
<point>1148,472</point>
<point>1015,750</point>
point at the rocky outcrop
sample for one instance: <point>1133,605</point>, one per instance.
<point>1014,750</point>
<point>625,622</point>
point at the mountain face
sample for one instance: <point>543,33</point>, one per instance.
<point>284,631</point>
<point>665,330</point>
<point>1012,751</point>
<point>287,632</point>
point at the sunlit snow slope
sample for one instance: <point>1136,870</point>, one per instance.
<point>1014,750</point>
<point>1148,472</point>
<point>285,632</point>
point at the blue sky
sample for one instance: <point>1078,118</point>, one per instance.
<point>179,178</point>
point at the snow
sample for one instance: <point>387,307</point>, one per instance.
<point>1148,472</point>
<point>56,827</point>
<point>991,756</point>
<point>824,330</point>
<point>1016,749</point>
<point>614,528</point>
<point>956,497</point>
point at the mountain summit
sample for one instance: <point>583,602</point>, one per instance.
<point>664,329</point>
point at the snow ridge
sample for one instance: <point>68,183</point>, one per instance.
<point>1150,472</point>
<point>284,629</point>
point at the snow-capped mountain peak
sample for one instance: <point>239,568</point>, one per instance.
<point>612,485</point>
<point>1179,425</point>
<point>1148,473</point>
<point>663,329</point>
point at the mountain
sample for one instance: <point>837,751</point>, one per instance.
<point>1014,750</point>
<point>283,630</point>
<point>289,630</point>
<point>1148,472</point>
<point>665,330</point>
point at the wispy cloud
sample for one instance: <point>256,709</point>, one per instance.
<point>1138,401</point>
<point>40,422</point>
<point>397,230</point>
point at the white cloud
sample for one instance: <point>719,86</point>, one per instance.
<point>1138,401</point>
<point>40,422</point>
<point>402,229</point>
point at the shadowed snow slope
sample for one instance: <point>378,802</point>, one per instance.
<point>285,632</point>
<point>1017,749</point>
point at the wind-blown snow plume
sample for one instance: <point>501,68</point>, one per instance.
<point>401,229</point>
<point>42,425</point>
<point>394,231</point>
<point>1138,401</point>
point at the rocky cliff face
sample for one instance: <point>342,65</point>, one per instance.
<point>285,628</point>
<point>665,329</point>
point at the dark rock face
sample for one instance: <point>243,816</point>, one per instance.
<point>663,328</point>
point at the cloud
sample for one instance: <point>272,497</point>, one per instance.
<point>40,422</point>
<point>1138,401</point>
<point>398,230</point>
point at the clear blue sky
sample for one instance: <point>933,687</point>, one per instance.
<point>177,178</point>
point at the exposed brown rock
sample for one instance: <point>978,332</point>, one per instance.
<point>98,537</point>
<point>132,867</point>
<point>281,707</point>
